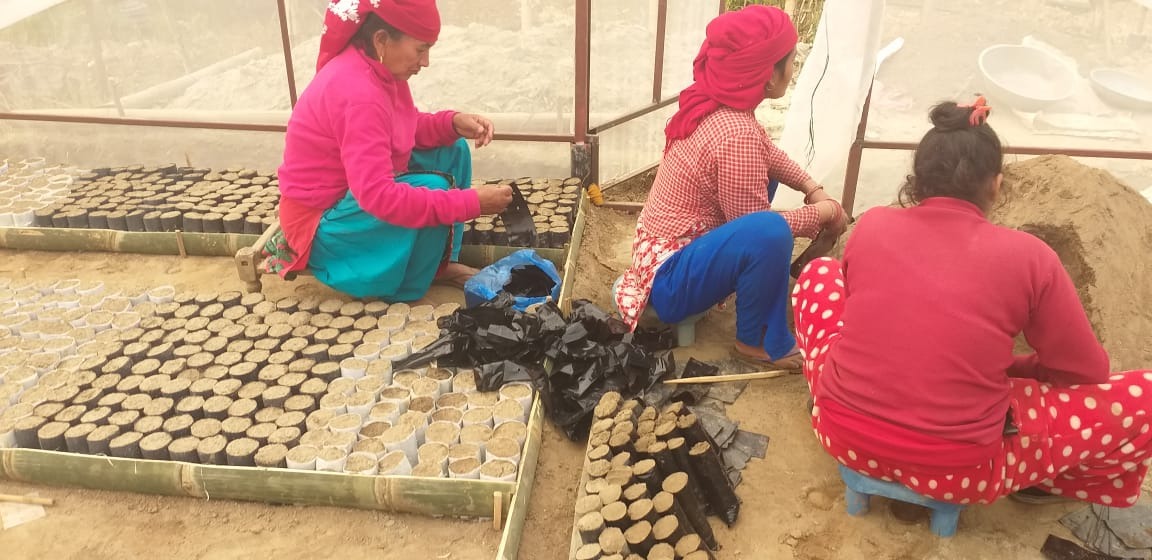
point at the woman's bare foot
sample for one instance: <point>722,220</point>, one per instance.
<point>455,274</point>
<point>793,361</point>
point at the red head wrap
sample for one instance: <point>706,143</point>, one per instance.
<point>734,64</point>
<point>417,18</point>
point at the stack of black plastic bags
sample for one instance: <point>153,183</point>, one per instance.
<point>589,354</point>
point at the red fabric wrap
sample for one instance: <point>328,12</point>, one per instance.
<point>416,18</point>
<point>737,59</point>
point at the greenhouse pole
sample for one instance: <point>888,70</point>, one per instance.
<point>585,159</point>
<point>286,42</point>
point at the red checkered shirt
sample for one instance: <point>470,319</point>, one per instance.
<point>717,174</point>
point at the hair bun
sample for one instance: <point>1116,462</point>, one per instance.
<point>948,117</point>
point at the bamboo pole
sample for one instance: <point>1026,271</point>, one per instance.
<point>99,240</point>
<point>33,500</point>
<point>453,497</point>
<point>569,275</point>
<point>730,377</point>
<point>517,513</point>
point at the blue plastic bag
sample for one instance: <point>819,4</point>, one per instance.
<point>493,279</point>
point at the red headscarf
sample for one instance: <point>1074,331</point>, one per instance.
<point>734,64</point>
<point>417,18</point>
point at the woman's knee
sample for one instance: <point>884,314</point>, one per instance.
<point>765,232</point>
<point>431,181</point>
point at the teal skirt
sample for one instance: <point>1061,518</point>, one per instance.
<point>356,253</point>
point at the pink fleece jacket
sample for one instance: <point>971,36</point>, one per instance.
<point>354,128</point>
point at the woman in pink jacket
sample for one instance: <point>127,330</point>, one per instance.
<point>371,188</point>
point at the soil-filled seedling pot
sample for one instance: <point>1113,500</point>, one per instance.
<point>126,445</point>
<point>402,438</point>
<point>100,439</point>
<point>337,403</point>
<point>148,424</point>
<point>400,396</point>
<point>362,463</point>
<point>478,417</point>
<point>371,430</point>
<point>361,403</point>
<point>261,432</point>
<point>242,452</point>
<point>482,400</point>
<point>385,412</point>
<point>429,470</point>
<point>519,392</point>
<point>442,432</point>
<point>205,428</point>
<point>394,463</point>
<point>478,434</point>
<point>508,411</point>
<point>271,456</point>
<point>211,450</point>
<point>290,436</point>
<point>179,426</point>
<point>50,436</point>
<point>319,419</point>
<point>155,446</point>
<point>372,384</point>
<point>458,451</point>
<point>515,431</point>
<point>498,470</point>
<point>302,458</point>
<point>590,525</point>
<point>235,427</point>
<point>467,468</point>
<point>331,459</point>
<point>75,438</point>
<point>275,396</point>
<point>347,422</point>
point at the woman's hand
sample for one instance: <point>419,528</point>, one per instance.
<point>493,198</point>
<point>474,127</point>
<point>832,215</point>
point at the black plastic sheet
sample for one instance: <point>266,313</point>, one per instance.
<point>529,281</point>
<point>591,353</point>
<point>517,219</point>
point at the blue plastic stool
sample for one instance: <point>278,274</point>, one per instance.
<point>860,489</point>
<point>685,330</point>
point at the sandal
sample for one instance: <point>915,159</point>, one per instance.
<point>820,247</point>
<point>792,362</point>
<point>1035,495</point>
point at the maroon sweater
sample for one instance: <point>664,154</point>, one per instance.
<point>935,296</point>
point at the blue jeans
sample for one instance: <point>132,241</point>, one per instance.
<point>748,256</point>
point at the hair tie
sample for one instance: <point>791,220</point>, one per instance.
<point>980,111</point>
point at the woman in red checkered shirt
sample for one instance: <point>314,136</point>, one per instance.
<point>707,231</point>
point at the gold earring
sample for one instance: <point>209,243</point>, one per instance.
<point>381,59</point>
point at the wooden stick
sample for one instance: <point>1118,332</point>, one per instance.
<point>497,513</point>
<point>12,498</point>
<point>730,377</point>
<point>180,244</point>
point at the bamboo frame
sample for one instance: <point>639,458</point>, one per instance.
<point>104,240</point>
<point>428,496</point>
<point>568,273</point>
<point>518,511</point>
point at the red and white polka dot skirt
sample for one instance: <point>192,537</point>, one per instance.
<point>1090,442</point>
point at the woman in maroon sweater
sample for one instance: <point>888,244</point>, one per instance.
<point>909,346</point>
